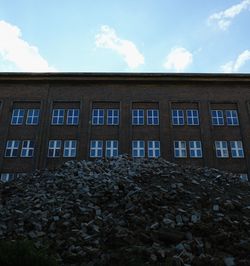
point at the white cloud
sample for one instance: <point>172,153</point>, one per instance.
<point>178,59</point>
<point>224,18</point>
<point>15,50</point>
<point>107,38</point>
<point>234,66</point>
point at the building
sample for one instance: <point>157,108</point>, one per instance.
<point>198,119</point>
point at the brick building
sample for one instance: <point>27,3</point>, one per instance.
<point>48,118</point>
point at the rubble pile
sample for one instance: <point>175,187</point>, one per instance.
<point>131,212</point>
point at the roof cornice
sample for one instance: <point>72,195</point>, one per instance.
<point>117,76</point>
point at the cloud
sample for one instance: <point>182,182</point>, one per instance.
<point>16,51</point>
<point>178,59</point>
<point>224,18</point>
<point>107,38</point>
<point>234,66</point>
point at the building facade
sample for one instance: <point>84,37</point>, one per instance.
<point>197,119</point>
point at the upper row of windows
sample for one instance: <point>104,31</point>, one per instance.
<point>112,117</point>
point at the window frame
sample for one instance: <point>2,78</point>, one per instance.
<point>70,148</point>
<point>57,118</point>
<point>177,118</point>
<point>34,118</point>
<point>96,149</point>
<point>17,117</point>
<point>113,148</point>
<point>153,149</point>
<point>154,116</point>
<point>70,119</point>
<point>217,118</point>
<point>192,117</point>
<point>137,118</point>
<point>54,148</point>
<point>13,148</point>
<point>138,148</point>
<point>28,150</point>
<point>231,117</point>
<point>236,151</point>
<point>182,151</point>
<point>220,148</point>
<point>115,119</point>
<point>99,118</point>
<point>196,149</point>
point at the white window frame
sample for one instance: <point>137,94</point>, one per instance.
<point>195,149</point>
<point>6,177</point>
<point>69,148</point>
<point>111,148</point>
<point>193,115</point>
<point>73,118</point>
<point>237,150</point>
<point>27,148</point>
<point>96,149</point>
<point>154,149</point>
<point>137,117</point>
<point>33,116</point>
<point>152,117</point>
<point>55,147</point>
<point>178,118</point>
<point>180,149</point>
<point>231,116</point>
<point>138,148</point>
<point>12,146</point>
<point>221,149</point>
<point>98,116</point>
<point>216,118</point>
<point>17,117</point>
<point>58,116</point>
<point>113,116</point>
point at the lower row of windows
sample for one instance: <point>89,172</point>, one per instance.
<point>5,177</point>
<point>110,148</point>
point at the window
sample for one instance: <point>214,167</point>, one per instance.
<point>12,148</point>
<point>17,117</point>
<point>195,150</point>
<point>57,117</point>
<point>244,177</point>
<point>177,117</point>
<point>72,117</point>
<point>113,117</point>
<point>27,148</point>
<point>54,148</point>
<point>111,148</point>
<point>180,150</point>
<point>221,149</point>
<point>154,149</point>
<point>153,117</point>
<point>217,117</point>
<point>232,117</point>
<point>96,148</point>
<point>69,148</point>
<point>32,117</point>
<point>98,117</point>
<point>192,117</point>
<point>237,149</point>
<point>137,117</point>
<point>138,148</point>
<point>5,177</point>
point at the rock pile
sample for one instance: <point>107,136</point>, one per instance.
<point>131,212</point>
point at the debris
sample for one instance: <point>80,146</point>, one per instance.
<point>112,210</point>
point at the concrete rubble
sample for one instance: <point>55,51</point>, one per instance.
<point>123,211</point>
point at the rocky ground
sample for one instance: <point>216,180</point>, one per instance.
<point>125,212</point>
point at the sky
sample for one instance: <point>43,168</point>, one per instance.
<point>180,36</point>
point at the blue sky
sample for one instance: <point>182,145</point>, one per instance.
<point>125,36</point>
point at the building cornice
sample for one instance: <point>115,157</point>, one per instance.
<point>115,76</point>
